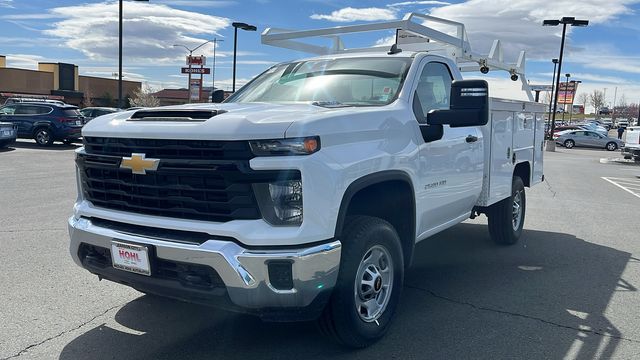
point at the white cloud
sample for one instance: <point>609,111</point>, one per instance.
<point>518,24</point>
<point>24,61</point>
<point>6,4</point>
<point>196,3</point>
<point>350,14</point>
<point>150,30</point>
<point>28,16</point>
<point>412,3</point>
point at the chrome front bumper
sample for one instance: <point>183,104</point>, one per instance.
<point>243,271</point>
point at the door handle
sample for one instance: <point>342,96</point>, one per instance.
<point>471,138</point>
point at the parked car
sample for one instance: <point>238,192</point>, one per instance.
<point>594,127</point>
<point>587,138</point>
<point>604,111</point>
<point>44,122</point>
<point>90,113</point>
<point>8,133</point>
<point>607,123</point>
<point>18,100</point>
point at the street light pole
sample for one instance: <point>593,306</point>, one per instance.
<point>245,27</point>
<point>551,145</point>
<point>213,71</point>
<point>555,63</point>
<point>120,13</point>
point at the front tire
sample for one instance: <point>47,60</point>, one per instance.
<point>612,146</point>
<point>569,144</point>
<point>369,283</point>
<point>506,218</point>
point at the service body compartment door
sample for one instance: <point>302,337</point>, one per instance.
<point>501,165</point>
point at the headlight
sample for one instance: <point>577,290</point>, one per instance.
<point>293,146</point>
<point>280,202</point>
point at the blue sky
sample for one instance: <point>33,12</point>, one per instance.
<point>603,55</point>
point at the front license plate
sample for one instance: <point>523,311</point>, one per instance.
<point>130,257</point>
<point>7,132</point>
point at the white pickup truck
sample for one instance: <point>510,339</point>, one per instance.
<point>304,194</point>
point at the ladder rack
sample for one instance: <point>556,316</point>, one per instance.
<point>410,35</point>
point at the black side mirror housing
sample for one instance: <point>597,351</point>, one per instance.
<point>217,96</point>
<point>469,105</point>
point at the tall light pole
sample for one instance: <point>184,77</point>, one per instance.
<point>120,103</point>
<point>551,145</point>
<point>566,90</point>
<point>553,81</point>
<point>245,27</point>
<point>213,71</point>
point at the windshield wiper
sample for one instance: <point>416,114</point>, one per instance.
<point>330,104</point>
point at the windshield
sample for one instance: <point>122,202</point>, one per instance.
<point>335,82</point>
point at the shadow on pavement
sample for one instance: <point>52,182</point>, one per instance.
<point>463,298</point>
<point>30,144</point>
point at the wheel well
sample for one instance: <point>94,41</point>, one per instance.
<point>391,200</point>
<point>523,170</point>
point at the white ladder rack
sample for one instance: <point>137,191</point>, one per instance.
<point>410,35</point>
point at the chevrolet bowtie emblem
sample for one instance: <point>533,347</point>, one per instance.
<point>138,164</point>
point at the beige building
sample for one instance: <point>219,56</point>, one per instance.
<point>61,81</point>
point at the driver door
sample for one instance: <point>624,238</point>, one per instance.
<point>451,168</point>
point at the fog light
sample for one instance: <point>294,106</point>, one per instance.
<point>280,275</point>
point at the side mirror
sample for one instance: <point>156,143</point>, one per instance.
<point>469,105</point>
<point>217,96</point>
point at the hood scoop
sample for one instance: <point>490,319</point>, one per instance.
<point>175,115</point>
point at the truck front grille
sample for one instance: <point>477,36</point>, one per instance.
<point>206,184</point>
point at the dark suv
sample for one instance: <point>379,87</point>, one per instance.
<point>44,122</point>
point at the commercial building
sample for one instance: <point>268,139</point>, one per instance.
<point>61,81</point>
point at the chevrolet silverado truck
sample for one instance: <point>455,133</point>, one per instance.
<point>304,194</point>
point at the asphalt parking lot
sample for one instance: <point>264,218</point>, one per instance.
<point>569,289</point>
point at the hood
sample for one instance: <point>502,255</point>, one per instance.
<point>235,121</point>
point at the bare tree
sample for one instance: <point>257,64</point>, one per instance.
<point>596,99</point>
<point>87,100</point>
<point>143,97</point>
<point>583,99</point>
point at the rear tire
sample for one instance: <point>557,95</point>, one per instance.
<point>569,144</point>
<point>506,218</point>
<point>43,136</point>
<point>369,283</point>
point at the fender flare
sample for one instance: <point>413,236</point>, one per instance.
<point>366,181</point>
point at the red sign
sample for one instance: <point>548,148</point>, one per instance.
<point>566,92</point>
<point>186,70</point>
<point>196,60</point>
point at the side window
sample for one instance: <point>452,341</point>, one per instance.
<point>31,110</point>
<point>44,110</point>
<point>434,87</point>
<point>8,110</point>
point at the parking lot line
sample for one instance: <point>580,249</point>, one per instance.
<point>629,185</point>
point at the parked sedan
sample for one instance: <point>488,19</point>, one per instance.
<point>90,113</point>
<point>8,133</point>
<point>587,138</point>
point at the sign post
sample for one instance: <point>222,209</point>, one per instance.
<point>195,60</point>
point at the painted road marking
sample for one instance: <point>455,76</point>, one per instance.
<point>631,186</point>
